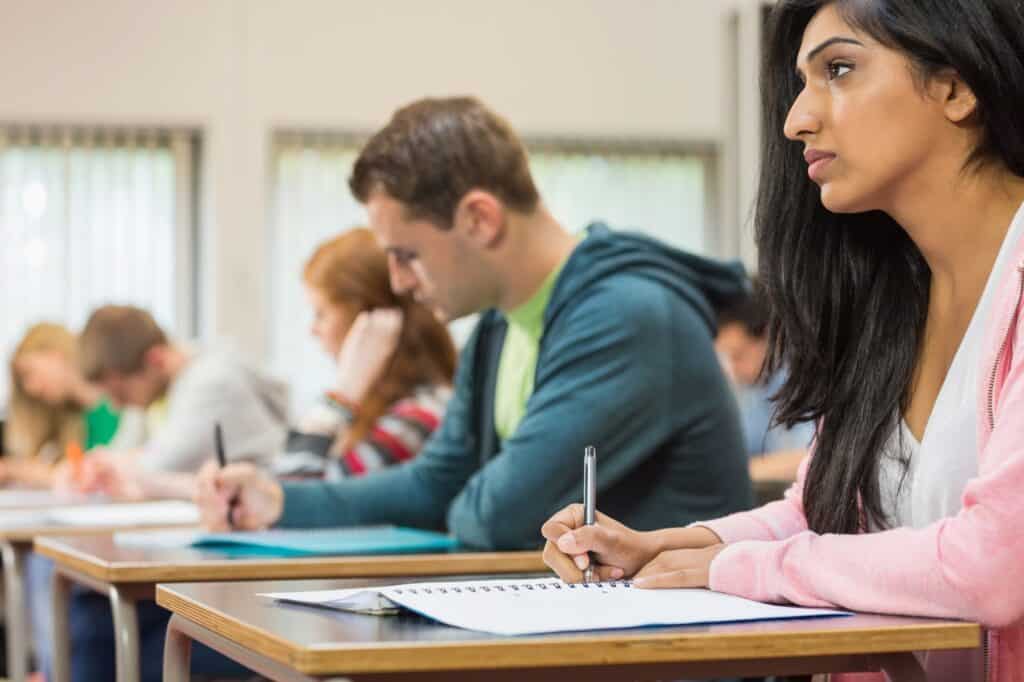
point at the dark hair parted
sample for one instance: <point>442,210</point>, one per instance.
<point>849,293</point>
<point>749,311</point>
<point>434,151</point>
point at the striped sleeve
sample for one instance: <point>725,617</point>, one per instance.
<point>398,435</point>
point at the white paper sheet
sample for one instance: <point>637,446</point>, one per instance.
<point>164,512</point>
<point>22,518</point>
<point>14,498</point>
<point>523,607</point>
<point>156,539</point>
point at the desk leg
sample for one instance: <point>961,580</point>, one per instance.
<point>126,633</point>
<point>177,653</point>
<point>60,636</point>
<point>903,668</point>
<point>13,555</point>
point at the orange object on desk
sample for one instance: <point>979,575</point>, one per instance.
<point>75,456</point>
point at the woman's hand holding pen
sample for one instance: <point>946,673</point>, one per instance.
<point>619,551</point>
<point>258,499</point>
<point>622,552</point>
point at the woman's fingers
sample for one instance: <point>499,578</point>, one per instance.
<point>678,568</point>
<point>596,538</point>
<point>679,578</point>
<point>562,522</point>
<point>562,564</point>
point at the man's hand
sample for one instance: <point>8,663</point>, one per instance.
<point>253,499</point>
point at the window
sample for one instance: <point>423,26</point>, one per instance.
<point>94,216</point>
<point>663,189</point>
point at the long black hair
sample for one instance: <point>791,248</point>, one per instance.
<point>849,293</point>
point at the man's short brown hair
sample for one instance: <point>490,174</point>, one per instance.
<point>116,339</point>
<point>434,151</point>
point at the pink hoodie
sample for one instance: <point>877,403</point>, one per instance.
<point>967,566</point>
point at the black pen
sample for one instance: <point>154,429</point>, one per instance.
<point>589,500</point>
<point>222,460</point>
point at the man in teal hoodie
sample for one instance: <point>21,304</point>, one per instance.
<point>601,339</point>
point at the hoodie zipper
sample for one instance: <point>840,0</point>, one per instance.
<point>987,641</point>
<point>1002,350</point>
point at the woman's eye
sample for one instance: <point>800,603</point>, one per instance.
<point>838,70</point>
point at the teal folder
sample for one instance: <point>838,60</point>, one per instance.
<point>327,541</point>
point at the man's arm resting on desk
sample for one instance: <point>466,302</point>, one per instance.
<point>416,493</point>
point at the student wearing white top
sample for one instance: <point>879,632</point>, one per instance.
<point>889,229</point>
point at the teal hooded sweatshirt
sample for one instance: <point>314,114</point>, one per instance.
<point>625,363</point>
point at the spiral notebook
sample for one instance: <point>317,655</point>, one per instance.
<point>545,605</point>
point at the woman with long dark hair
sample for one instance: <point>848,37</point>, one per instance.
<point>890,229</point>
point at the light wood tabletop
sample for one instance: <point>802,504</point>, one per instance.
<point>128,573</point>
<point>103,558</point>
<point>311,642</point>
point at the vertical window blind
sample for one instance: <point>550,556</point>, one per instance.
<point>659,189</point>
<point>94,216</point>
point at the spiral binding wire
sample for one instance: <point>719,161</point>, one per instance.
<point>507,587</point>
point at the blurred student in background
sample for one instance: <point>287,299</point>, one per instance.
<point>129,355</point>
<point>124,350</point>
<point>742,345</point>
<point>51,407</point>
<point>395,365</point>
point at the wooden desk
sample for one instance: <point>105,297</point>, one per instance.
<point>128,574</point>
<point>300,643</point>
<point>15,545</point>
<point>297,643</point>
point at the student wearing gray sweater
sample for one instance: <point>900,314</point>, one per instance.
<point>126,352</point>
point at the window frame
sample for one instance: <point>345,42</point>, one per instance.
<point>185,145</point>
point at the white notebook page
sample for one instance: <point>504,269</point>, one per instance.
<point>161,513</point>
<point>164,512</point>
<point>523,607</point>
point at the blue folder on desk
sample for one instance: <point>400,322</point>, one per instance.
<point>327,541</point>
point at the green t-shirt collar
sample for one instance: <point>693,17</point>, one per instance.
<point>529,316</point>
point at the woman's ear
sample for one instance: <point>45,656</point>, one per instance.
<point>155,357</point>
<point>959,101</point>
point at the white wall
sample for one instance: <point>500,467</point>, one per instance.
<point>237,69</point>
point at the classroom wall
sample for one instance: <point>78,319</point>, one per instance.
<point>237,69</point>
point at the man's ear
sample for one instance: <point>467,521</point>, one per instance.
<point>958,100</point>
<point>155,357</point>
<point>480,216</point>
